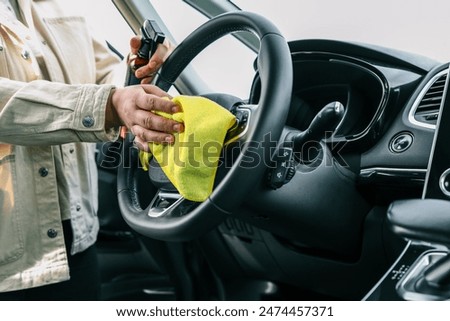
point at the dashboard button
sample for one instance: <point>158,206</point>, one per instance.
<point>444,182</point>
<point>401,142</point>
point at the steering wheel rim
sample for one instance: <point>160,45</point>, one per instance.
<point>275,70</point>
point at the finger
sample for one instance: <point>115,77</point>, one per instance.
<point>154,122</point>
<point>146,80</point>
<point>160,55</point>
<point>145,135</point>
<point>155,62</point>
<point>135,43</point>
<point>154,90</point>
<point>149,69</point>
<point>152,101</point>
<point>142,145</point>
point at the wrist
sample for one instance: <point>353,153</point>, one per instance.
<point>112,119</point>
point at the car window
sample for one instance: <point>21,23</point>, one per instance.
<point>105,21</point>
<point>418,27</point>
<point>226,65</point>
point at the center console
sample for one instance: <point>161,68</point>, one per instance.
<point>422,271</point>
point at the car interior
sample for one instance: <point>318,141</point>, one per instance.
<point>333,185</point>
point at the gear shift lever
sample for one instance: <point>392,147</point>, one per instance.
<point>421,220</point>
<point>425,220</point>
<point>438,275</point>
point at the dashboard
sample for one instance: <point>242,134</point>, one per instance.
<point>392,101</point>
<point>329,219</point>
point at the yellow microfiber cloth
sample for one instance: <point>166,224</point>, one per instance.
<point>191,162</point>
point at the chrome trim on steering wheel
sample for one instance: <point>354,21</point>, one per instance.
<point>157,208</point>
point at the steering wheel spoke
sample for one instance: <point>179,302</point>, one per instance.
<point>244,124</point>
<point>169,204</point>
<point>164,203</point>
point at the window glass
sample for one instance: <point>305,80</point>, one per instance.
<point>105,21</point>
<point>226,65</point>
<point>416,26</point>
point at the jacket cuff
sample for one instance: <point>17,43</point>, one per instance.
<point>89,118</point>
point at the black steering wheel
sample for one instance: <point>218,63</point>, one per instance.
<point>177,220</point>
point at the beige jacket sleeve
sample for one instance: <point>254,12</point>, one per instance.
<point>70,107</point>
<point>47,113</point>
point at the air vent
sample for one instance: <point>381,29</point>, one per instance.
<point>426,109</point>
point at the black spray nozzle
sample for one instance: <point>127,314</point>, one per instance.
<point>152,35</point>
